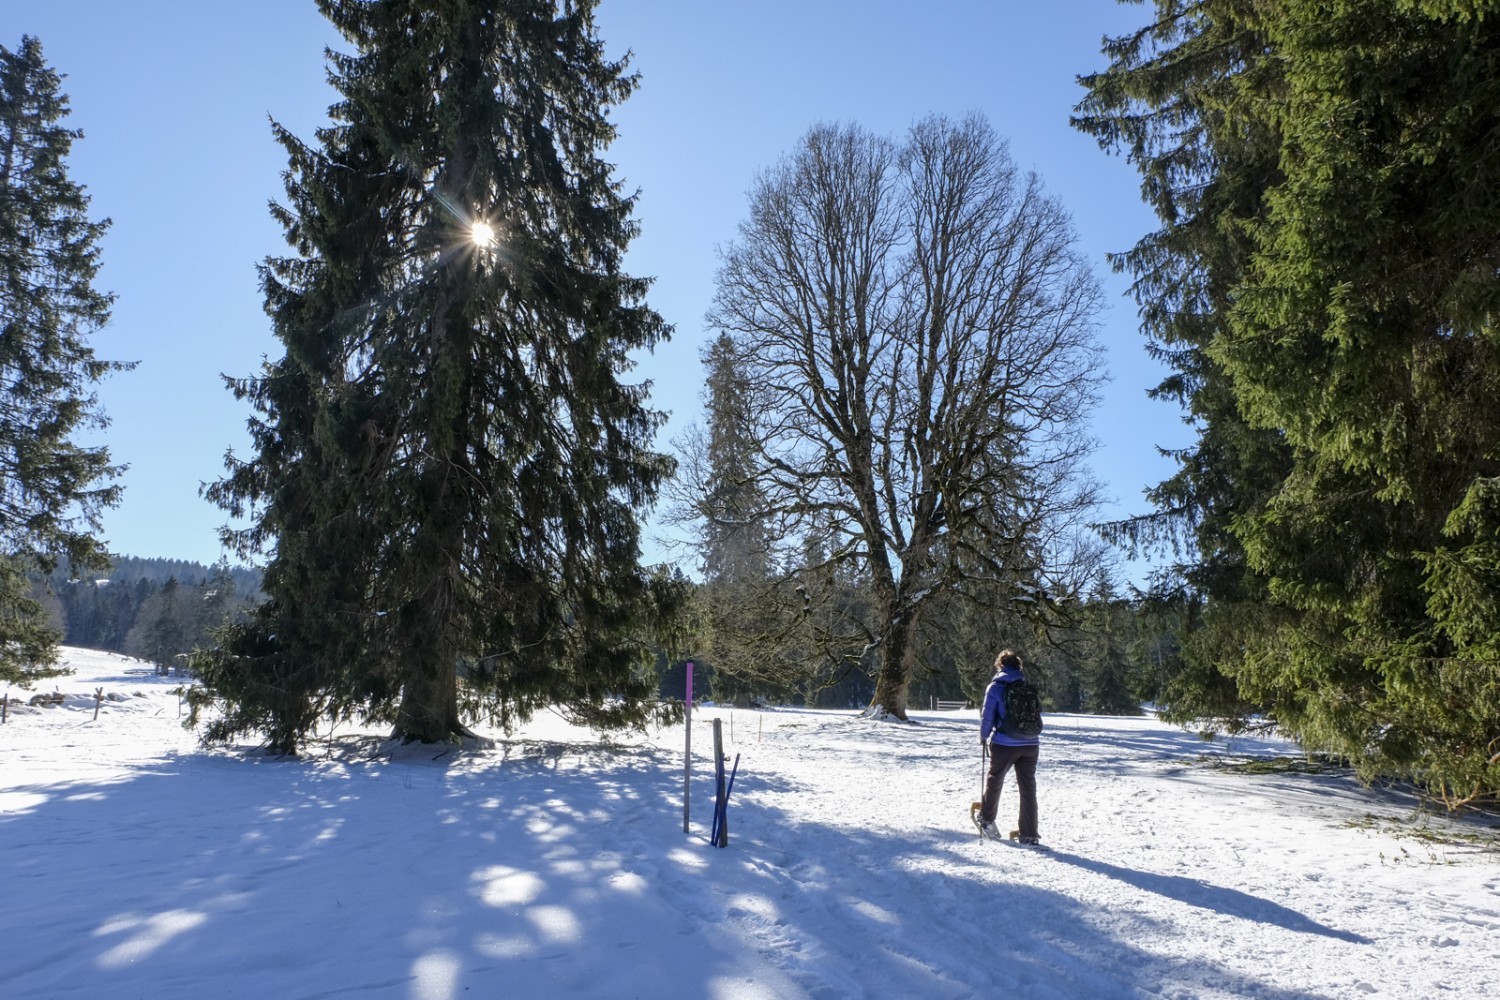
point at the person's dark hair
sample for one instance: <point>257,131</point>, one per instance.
<point>1007,658</point>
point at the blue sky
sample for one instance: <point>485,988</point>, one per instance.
<point>174,97</point>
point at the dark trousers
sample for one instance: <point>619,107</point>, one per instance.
<point>1002,759</point>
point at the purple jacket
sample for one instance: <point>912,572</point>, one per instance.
<point>994,712</point>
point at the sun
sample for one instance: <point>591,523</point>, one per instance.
<point>482,233</point>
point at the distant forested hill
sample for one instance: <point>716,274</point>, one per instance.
<point>151,608</point>
<point>129,569</point>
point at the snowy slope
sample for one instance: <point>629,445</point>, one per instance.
<point>136,865</point>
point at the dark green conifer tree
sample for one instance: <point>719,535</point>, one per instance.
<point>1110,671</point>
<point>736,531</point>
<point>448,464</point>
<point>164,626</point>
<point>52,490</point>
<point>1347,158</point>
<point>745,636</point>
<point>1368,334</point>
<point>1169,101</point>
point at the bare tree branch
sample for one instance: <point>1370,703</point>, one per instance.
<point>913,328</point>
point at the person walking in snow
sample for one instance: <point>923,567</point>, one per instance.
<point>1010,729</point>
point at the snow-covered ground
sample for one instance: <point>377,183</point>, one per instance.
<point>135,865</point>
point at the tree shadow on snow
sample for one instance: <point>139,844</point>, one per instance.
<point>536,869</point>
<point>1230,902</point>
<point>525,871</point>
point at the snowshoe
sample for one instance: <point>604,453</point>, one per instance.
<point>989,831</point>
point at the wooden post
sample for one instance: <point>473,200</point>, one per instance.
<point>721,817</point>
<point>98,702</point>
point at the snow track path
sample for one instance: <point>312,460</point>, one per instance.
<point>136,865</point>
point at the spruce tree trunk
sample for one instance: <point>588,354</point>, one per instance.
<point>429,704</point>
<point>429,688</point>
<point>429,695</point>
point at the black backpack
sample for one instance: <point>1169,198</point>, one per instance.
<point>1023,710</point>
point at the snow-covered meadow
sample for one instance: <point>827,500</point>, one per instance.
<point>137,865</point>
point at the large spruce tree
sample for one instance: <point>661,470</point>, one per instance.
<point>1170,101</point>
<point>1368,333</point>
<point>448,463</point>
<point>716,495</point>
<point>737,535</point>
<point>1357,332</point>
<point>52,489</point>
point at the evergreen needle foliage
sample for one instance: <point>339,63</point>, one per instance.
<point>1326,283</point>
<point>448,464</point>
<point>52,490</point>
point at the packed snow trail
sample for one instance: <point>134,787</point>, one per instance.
<point>137,865</point>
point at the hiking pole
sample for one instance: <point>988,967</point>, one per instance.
<point>984,754</point>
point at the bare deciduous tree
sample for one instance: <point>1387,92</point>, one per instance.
<point>915,331</point>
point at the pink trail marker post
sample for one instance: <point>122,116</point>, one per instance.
<point>687,752</point>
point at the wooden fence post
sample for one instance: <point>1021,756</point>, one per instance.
<point>721,828</point>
